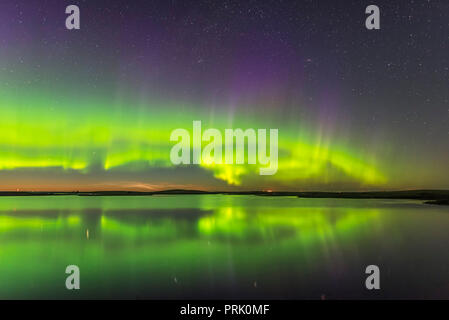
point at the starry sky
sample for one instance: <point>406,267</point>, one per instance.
<point>93,109</point>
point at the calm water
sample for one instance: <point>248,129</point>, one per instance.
<point>215,246</point>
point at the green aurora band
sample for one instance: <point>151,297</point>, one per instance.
<point>41,130</point>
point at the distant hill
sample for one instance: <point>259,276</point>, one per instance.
<point>441,195</point>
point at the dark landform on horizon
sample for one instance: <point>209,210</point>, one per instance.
<point>433,196</point>
<point>440,202</point>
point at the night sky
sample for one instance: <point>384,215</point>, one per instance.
<point>93,109</point>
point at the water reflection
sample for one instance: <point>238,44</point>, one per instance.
<point>207,246</point>
<point>242,224</point>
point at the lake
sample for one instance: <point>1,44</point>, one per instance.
<point>221,246</point>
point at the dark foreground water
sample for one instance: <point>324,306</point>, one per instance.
<point>214,246</point>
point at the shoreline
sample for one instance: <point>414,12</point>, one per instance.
<point>439,197</point>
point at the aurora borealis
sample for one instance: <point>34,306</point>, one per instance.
<point>93,109</point>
